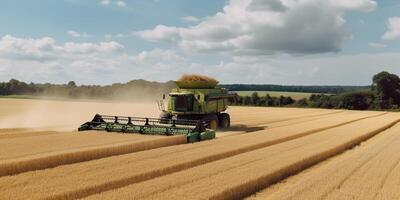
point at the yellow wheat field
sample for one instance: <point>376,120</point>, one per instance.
<point>256,158</point>
<point>145,165</point>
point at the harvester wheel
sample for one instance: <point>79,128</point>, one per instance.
<point>212,121</point>
<point>224,120</point>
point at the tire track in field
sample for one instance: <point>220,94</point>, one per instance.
<point>115,184</point>
<point>26,134</point>
<point>381,184</point>
<point>243,129</point>
<point>20,165</point>
<point>294,116</point>
<point>309,115</point>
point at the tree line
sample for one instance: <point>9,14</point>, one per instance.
<point>292,88</point>
<point>383,94</point>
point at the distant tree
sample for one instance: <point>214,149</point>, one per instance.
<point>362,100</point>
<point>302,102</point>
<point>247,100</point>
<point>387,89</point>
<point>255,98</point>
<point>71,84</point>
<point>268,100</point>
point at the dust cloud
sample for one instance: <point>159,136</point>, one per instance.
<point>65,115</point>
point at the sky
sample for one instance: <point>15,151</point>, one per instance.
<point>288,42</point>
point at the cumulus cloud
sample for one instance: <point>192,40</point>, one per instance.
<point>306,70</point>
<point>160,33</point>
<point>393,32</point>
<point>77,34</point>
<point>43,60</point>
<point>266,27</point>
<point>119,3</point>
<point>105,2</point>
<point>377,45</point>
<point>190,19</point>
<point>29,48</point>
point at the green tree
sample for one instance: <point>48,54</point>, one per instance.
<point>246,100</point>
<point>362,100</point>
<point>387,89</point>
<point>268,100</point>
<point>255,98</point>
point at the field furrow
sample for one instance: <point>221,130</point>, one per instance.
<point>367,172</point>
<point>33,153</point>
<point>276,116</point>
<point>243,129</point>
<point>245,174</point>
<point>104,174</point>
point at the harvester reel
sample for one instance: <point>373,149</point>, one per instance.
<point>194,130</point>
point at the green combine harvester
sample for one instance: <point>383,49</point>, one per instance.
<point>195,109</point>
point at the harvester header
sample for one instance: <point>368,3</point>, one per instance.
<point>194,130</point>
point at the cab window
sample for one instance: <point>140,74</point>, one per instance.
<point>183,103</point>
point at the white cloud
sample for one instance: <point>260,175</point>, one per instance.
<point>105,2</point>
<point>294,70</point>
<point>377,45</point>
<point>393,25</point>
<point>266,27</point>
<point>120,4</point>
<point>190,19</point>
<point>77,34</point>
<point>160,33</point>
<point>361,5</point>
<point>43,60</point>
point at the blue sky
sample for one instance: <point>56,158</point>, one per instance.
<point>324,42</point>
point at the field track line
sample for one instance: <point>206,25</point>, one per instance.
<point>295,168</point>
<point>26,134</point>
<point>293,117</point>
<point>263,126</point>
<point>20,166</point>
<point>119,183</point>
<point>309,115</point>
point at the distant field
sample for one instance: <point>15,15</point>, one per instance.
<point>294,95</point>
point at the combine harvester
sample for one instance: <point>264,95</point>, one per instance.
<point>195,109</point>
